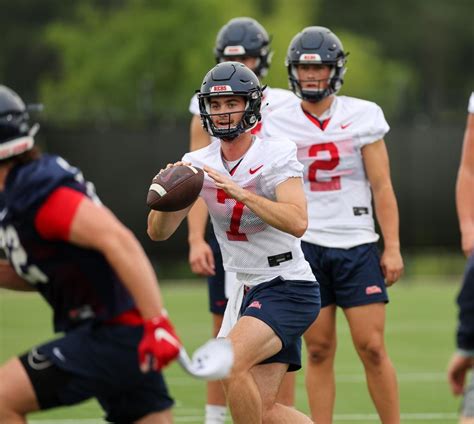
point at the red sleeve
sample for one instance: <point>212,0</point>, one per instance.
<point>54,218</point>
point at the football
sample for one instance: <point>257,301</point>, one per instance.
<point>175,188</point>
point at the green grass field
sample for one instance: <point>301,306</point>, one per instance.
<point>420,338</point>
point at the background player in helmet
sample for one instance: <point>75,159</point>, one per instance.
<point>243,40</point>
<point>340,142</point>
<point>254,193</point>
<point>60,241</point>
<point>463,360</point>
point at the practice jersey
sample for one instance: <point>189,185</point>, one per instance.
<point>470,107</point>
<point>248,244</point>
<point>273,99</point>
<point>338,191</point>
<point>78,283</point>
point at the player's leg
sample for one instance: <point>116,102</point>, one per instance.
<point>274,316</point>
<point>320,338</point>
<point>17,396</point>
<point>321,346</point>
<point>267,378</point>
<point>467,409</point>
<point>253,341</point>
<point>216,405</point>
<point>286,394</point>
<point>367,329</point>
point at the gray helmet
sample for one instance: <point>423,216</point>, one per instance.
<point>230,79</point>
<point>316,45</point>
<point>16,135</point>
<point>244,37</point>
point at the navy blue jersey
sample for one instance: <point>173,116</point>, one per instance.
<point>465,332</point>
<point>78,283</point>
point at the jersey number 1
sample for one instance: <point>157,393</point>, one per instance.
<point>334,183</point>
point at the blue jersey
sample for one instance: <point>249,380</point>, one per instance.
<point>78,283</point>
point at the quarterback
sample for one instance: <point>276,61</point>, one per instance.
<point>241,40</point>
<point>253,190</point>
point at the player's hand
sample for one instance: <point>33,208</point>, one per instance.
<point>201,258</point>
<point>159,345</point>
<point>225,183</point>
<point>457,370</point>
<point>170,165</point>
<point>391,263</point>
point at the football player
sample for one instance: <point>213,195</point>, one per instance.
<point>62,242</point>
<point>340,142</point>
<point>463,360</point>
<point>243,40</point>
<point>253,190</point>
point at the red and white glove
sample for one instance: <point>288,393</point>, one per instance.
<point>159,345</point>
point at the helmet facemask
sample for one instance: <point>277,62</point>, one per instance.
<point>314,95</point>
<point>248,121</point>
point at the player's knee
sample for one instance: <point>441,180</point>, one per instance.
<point>372,353</point>
<point>323,351</point>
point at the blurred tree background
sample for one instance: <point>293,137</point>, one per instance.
<point>116,78</point>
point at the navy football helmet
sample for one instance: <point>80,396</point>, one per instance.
<point>16,135</point>
<point>244,37</point>
<point>230,79</point>
<point>316,45</point>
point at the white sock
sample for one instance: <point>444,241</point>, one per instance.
<point>215,414</point>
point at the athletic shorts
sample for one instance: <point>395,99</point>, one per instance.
<point>216,283</point>
<point>289,307</point>
<point>347,277</point>
<point>97,361</point>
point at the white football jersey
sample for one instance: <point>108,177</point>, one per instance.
<point>273,99</point>
<point>338,191</point>
<point>470,108</point>
<point>255,250</point>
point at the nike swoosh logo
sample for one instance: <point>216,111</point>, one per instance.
<point>345,126</point>
<point>253,171</point>
<point>162,334</point>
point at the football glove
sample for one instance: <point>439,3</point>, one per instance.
<point>159,346</point>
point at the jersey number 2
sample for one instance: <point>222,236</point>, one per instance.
<point>334,183</point>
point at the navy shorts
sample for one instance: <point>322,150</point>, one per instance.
<point>289,307</point>
<point>97,361</point>
<point>347,277</point>
<point>216,283</point>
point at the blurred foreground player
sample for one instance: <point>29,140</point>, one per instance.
<point>60,241</point>
<point>463,360</point>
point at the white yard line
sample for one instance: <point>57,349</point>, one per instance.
<point>414,416</point>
